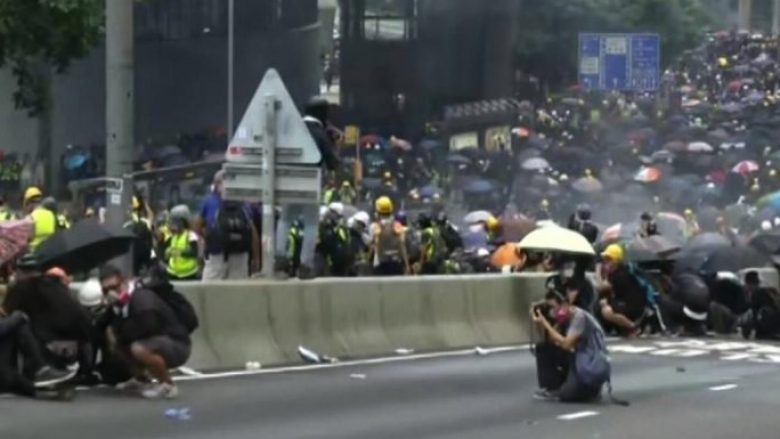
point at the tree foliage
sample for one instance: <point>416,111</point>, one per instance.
<point>548,30</point>
<point>39,35</point>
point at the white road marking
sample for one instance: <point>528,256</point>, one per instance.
<point>578,415</point>
<point>373,361</point>
<point>628,349</point>
<point>724,387</point>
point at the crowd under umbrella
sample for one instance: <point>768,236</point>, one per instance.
<point>535,164</point>
<point>724,258</point>
<point>651,249</point>
<point>479,186</point>
<point>767,243</point>
<point>83,247</point>
<point>557,239</point>
<point>587,185</point>
<point>477,216</point>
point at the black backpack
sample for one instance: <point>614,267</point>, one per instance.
<point>234,228</point>
<point>157,281</point>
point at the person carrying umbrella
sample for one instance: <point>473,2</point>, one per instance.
<point>44,219</point>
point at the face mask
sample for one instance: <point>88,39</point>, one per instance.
<point>568,272</point>
<point>562,316</point>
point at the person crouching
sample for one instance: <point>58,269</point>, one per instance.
<point>146,332</point>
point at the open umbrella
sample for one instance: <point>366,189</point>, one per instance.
<point>746,167</point>
<point>648,175</point>
<point>557,239</point>
<point>83,247</point>
<point>506,255</point>
<point>458,159</point>
<point>14,237</point>
<point>651,249</point>
<point>699,147</point>
<point>587,185</point>
<point>675,146</point>
<point>478,187</point>
<point>535,164</point>
<point>767,243</point>
<point>478,216</point>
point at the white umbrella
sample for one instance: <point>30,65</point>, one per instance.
<point>478,216</point>
<point>535,164</point>
<point>700,147</point>
<point>557,239</point>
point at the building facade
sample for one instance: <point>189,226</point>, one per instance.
<point>180,71</point>
<point>403,61</point>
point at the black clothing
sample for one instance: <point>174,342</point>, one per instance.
<point>146,316</point>
<point>323,141</point>
<point>54,314</point>
<point>17,341</point>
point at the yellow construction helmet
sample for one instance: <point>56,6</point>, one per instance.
<point>384,206</point>
<point>493,224</point>
<point>723,62</point>
<point>32,192</point>
<point>614,252</point>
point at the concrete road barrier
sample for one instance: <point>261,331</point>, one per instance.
<point>352,318</point>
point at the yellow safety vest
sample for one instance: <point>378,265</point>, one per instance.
<point>45,226</point>
<point>182,266</point>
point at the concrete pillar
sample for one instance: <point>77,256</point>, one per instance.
<point>745,13</point>
<point>775,17</point>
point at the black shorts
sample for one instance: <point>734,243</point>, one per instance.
<point>174,352</point>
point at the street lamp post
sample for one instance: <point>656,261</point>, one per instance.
<point>231,41</point>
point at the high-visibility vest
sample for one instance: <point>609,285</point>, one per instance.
<point>45,225</point>
<point>6,215</point>
<point>293,241</point>
<point>182,266</point>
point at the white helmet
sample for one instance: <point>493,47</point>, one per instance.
<point>337,208</point>
<point>182,211</point>
<point>362,217</point>
<point>91,293</point>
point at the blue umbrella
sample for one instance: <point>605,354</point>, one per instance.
<point>473,240</point>
<point>429,191</point>
<point>478,187</point>
<point>76,161</point>
<point>430,144</point>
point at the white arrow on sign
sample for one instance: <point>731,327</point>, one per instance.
<point>294,142</point>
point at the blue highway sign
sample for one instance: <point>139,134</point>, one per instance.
<point>625,62</point>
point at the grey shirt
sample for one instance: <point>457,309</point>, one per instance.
<point>587,329</point>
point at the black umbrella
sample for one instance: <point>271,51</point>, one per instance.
<point>652,249</point>
<point>768,243</point>
<point>85,246</point>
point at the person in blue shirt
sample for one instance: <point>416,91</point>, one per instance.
<point>230,234</point>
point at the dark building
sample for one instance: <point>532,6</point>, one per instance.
<point>403,61</point>
<point>181,70</point>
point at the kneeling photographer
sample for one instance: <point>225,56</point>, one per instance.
<point>572,367</point>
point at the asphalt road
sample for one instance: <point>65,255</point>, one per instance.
<point>486,397</point>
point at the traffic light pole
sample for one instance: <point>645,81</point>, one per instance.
<point>120,99</point>
<point>269,175</point>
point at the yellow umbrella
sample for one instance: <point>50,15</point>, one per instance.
<point>557,239</point>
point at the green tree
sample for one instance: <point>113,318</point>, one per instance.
<point>546,44</point>
<point>38,36</point>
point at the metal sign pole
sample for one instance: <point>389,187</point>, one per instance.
<point>269,186</point>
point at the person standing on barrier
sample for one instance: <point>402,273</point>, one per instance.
<point>572,367</point>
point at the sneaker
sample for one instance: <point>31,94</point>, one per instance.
<point>132,385</point>
<point>159,391</point>
<point>48,376</point>
<point>544,395</point>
